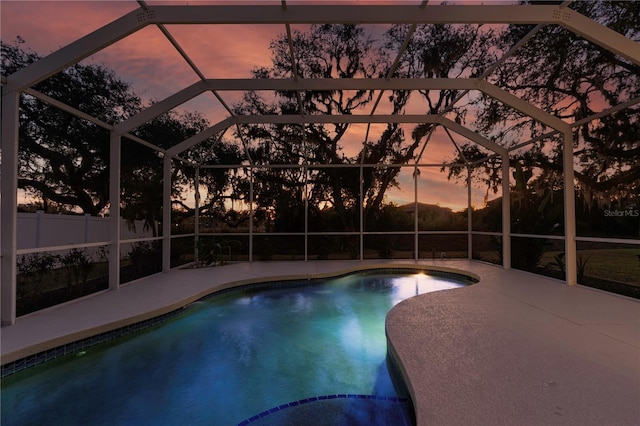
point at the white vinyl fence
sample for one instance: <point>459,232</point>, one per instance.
<point>35,230</point>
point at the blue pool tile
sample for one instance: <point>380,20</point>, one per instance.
<point>321,398</point>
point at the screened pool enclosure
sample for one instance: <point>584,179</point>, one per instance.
<point>504,133</point>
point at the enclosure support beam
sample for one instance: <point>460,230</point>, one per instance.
<point>570,257</point>
<point>251,215</point>
<point>9,208</point>
<point>506,213</point>
<point>161,107</point>
<point>166,214</point>
<point>196,213</point>
<point>361,204</point>
<point>114,209</point>
<point>318,119</point>
<point>598,34</point>
<point>416,227</point>
<point>469,216</point>
<point>306,211</point>
<point>78,50</point>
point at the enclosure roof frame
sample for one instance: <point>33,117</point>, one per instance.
<point>310,14</point>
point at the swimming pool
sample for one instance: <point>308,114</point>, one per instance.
<point>277,349</point>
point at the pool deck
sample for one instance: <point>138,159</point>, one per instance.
<point>514,349</point>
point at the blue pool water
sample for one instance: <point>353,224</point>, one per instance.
<point>229,358</point>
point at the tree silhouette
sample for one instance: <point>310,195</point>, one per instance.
<point>345,51</point>
<point>65,160</point>
<point>571,78</point>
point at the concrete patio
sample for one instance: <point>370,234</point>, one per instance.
<point>513,349</point>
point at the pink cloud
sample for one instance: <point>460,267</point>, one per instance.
<point>433,188</point>
<point>48,25</point>
<point>149,61</point>
<point>227,51</point>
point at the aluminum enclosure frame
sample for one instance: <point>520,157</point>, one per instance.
<point>23,81</point>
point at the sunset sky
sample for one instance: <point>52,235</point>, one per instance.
<point>147,60</point>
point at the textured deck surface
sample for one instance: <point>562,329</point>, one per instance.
<point>516,349</point>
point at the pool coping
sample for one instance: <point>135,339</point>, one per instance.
<point>73,343</point>
<point>30,353</point>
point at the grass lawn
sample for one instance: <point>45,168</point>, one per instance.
<point>621,265</point>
